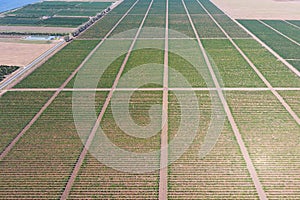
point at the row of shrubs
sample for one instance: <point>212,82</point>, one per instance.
<point>89,23</point>
<point>6,70</point>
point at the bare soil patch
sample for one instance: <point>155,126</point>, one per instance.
<point>21,54</point>
<point>33,29</point>
<point>261,9</point>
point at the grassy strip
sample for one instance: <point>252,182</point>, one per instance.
<point>206,27</point>
<point>271,136</point>
<point>285,28</point>
<point>59,67</point>
<point>96,180</point>
<point>231,28</point>
<point>221,174</point>
<point>274,71</point>
<point>234,70</point>
<point>278,43</point>
<point>41,162</point>
<point>6,70</point>
<point>18,109</point>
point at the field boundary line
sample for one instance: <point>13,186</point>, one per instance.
<point>291,67</point>
<point>261,76</point>
<point>32,121</point>
<point>277,31</point>
<point>294,25</point>
<point>244,151</point>
<point>92,134</point>
<point>163,172</point>
<point>146,89</point>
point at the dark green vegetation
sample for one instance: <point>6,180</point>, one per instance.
<point>284,47</point>
<point>6,70</point>
<point>62,14</point>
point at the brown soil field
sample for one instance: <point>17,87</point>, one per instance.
<point>33,29</point>
<point>21,54</point>
<point>261,9</point>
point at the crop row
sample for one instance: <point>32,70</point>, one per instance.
<point>278,43</point>
<point>272,139</point>
<point>275,72</point>
<point>234,70</point>
<point>292,98</point>
<point>39,165</point>
<point>285,28</point>
<point>59,67</point>
<point>222,173</point>
<point>18,109</point>
<point>96,180</point>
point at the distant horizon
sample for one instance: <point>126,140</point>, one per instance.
<point>6,5</point>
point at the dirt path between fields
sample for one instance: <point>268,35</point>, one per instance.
<point>103,110</point>
<point>235,129</point>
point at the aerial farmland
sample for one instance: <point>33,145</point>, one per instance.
<point>150,99</point>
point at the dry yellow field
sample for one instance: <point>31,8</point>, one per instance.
<point>21,54</point>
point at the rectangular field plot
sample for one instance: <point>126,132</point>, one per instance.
<point>231,28</point>
<point>154,26</point>
<point>206,27</point>
<point>128,27</point>
<point>145,65</point>
<point>140,8</point>
<point>293,99</point>
<point>234,70</point>
<point>18,108</point>
<point>158,7</point>
<point>278,43</point>
<point>271,136</point>
<point>181,24</point>
<point>103,66</point>
<point>96,180</point>
<point>285,28</point>
<point>59,67</point>
<point>187,67</point>
<point>176,7</point>
<point>221,174</point>
<point>39,166</point>
<point>272,69</point>
<point>194,7</point>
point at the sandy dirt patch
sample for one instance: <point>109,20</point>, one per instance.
<point>261,9</point>
<point>34,29</point>
<point>19,54</point>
